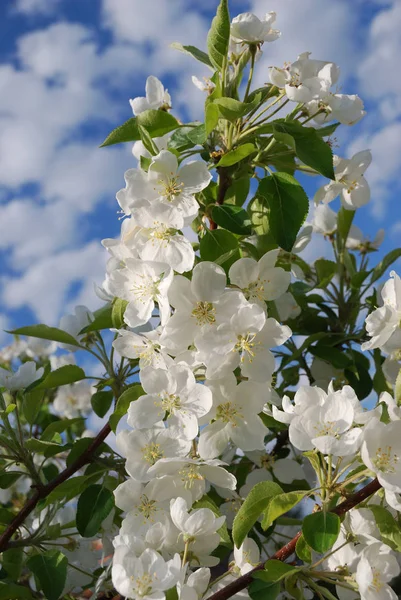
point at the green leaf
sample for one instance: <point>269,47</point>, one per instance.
<point>94,505</point>
<point>101,402</point>
<point>156,122</point>
<point>43,446</point>
<point>46,333</point>
<point>325,270</point>
<point>69,488</point>
<point>255,503</point>
<point>261,590</point>
<point>388,527</point>
<point>59,427</point>
<point>197,135</point>
<point>288,204</point>
<point>8,479</point>
<point>384,264</point>
<point>50,568</point>
<point>117,312</point>
<point>303,551</point>
<point>280,505</point>
<point>216,243</point>
<point>193,51</point>
<point>147,140</point>
<point>344,222</point>
<point>310,148</point>
<point>238,192</point>
<point>359,378</point>
<point>12,591</point>
<point>321,530</point>
<point>130,395</point>
<point>231,109</point>
<point>102,320</point>
<point>12,561</point>
<point>218,38</point>
<point>6,516</point>
<point>234,156</point>
<point>274,571</point>
<point>232,218</point>
<point>211,117</point>
<point>327,130</point>
<point>32,402</point>
<point>62,376</point>
<point>336,357</point>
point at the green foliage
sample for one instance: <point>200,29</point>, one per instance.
<point>94,505</point>
<point>101,402</point>
<point>325,270</point>
<point>389,528</point>
<point>62,376</point>
<point>385,264</point>
<point>232,218</point>
<point>219,36</point>
<point>155,122</point>
<point>262,590</point>
<point>302,550</point>
<point>321,530</point>
<point>234,156</point>
<point>254,505</point>
<point>50,569</point>
<point>194,52</point>
<point>101,321</point>
<point>275,570</point>
<point>288,204</point>
<point>117,312</point>
<point>46,333</point>
<point>130,395</point>
<point>280,505</point>
<point>219,246</point>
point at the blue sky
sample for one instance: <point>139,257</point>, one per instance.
<point>68,68</point>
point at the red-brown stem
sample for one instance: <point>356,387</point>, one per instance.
<point>285,552</point>
<point>45,490</point>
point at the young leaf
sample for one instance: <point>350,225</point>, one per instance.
<point>384,264</point>
<point>117,312</point>
<point>274,571</point>
<point>321,530</point>
<point>336,357</point>
<point>218,38</point>
<point>388,527</point>
<point>254,505</point>
<point>46,333</point>
<point>94,505</point>
<point>217,243</point>
<point>59,427</point>
<point>231,109</point>
<point>62,376</point>
<point>193,51</point>
<point>101,402</point>
<point>156,122</point>
<point>211,117</point>
<point>310,148</point>
<point>280,505</point>
<point>232,218</point>
<point>262,590</point>
<point>288,204</point>
<point>32,403</point>
<point>131,394</point>
<point>344,222</point>
<point>234,156</point>
<point>50,568</point>
<point>303,551</point>
<point>238,192</point>
<point>325,270</point>
<point>102,320</point>
<point>15,592</point>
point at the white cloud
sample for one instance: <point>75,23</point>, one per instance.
<point>34,7</point>
<point>44,287</point>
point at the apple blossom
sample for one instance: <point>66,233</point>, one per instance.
<point>249,29</point>
<point>156,97</point>
<point>350,182</point>
<point>383,324</point>
<point>25,375</point>
<point>381,451</point>
<point>73,400</point>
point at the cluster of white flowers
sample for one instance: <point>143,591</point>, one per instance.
<point>204,342</point>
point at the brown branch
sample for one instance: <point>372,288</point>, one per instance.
<point>45,490</point>
<point>285,552</point>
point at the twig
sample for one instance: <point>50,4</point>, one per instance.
<point>285,552</point>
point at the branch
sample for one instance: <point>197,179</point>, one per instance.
<point>285,552</point>
<point>45,490</point>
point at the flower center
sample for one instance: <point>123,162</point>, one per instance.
<point>146,288</point>
<point>326,428</point>
<point>169,403</point>
<point>204,313</point>
<point>376,584</point>
<point>229,413</point>
<point>267,461</point>
<point>170,187</point>
<point>147,507</point>
<point>385,460</point>
<point>246,346</point>
<point>152,452</point>
<point>189,475</point>
<point>255,289</point>
<point>350,185</point>
<point>146,356</point>
<point>143,584</point>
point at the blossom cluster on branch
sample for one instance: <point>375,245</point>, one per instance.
<point>235,377</point>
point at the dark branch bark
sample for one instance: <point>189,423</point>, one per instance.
<point>45,490</point>
<point>285,552</point>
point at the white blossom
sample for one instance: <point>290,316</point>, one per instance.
<point>381,452</point>
<point>26,374</point>
<point>248,28</point>
<point>73,400</point>
<point>156,97</point>
<point>383,324</point>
